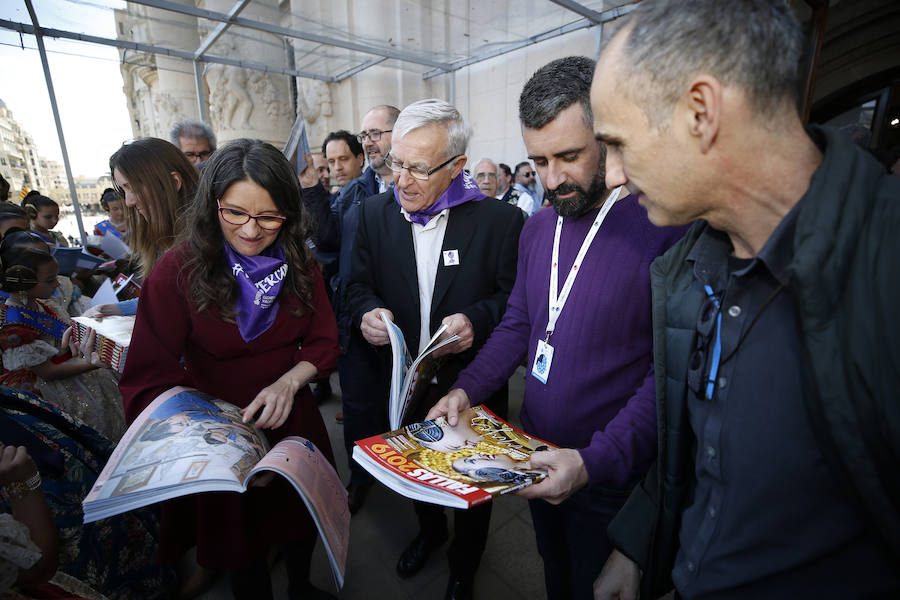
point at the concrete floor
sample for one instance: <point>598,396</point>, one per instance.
<point>510,568</point>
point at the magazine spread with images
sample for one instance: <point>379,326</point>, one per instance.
<point>460,466</point>
<point>187,442</point>
<point>407,373</point>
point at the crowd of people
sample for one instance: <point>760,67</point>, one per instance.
<point>697,284</point>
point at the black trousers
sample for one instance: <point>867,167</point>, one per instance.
<point>470,532</point>
<point>571,538</point>
<point>364,398</point>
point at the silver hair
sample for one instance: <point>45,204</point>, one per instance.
<point>193,129</point>
<point>435,112</point>
<point>752,44</point>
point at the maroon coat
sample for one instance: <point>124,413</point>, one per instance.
<point>229,529</point>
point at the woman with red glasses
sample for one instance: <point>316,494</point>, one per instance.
<point>238,310</point>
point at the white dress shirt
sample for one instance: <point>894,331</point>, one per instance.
<point>427,241</point>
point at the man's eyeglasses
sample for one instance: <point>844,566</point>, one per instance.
<point>482,176</point>
<point>420,173</point>
<point>235,216</point>
<point>527,175</point>
<point>702,373</point>
<point>372,134</point>
<point>202,155</point>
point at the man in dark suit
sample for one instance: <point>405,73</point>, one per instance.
<point>433,251</point>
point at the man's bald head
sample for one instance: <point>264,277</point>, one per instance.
<point>486,175</point>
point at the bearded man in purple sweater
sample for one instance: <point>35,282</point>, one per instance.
<point>580,312</point>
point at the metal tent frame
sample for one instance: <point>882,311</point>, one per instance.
<point>380,53</point>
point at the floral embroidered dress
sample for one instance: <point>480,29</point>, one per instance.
<point>92,397</point>
<point>114,556</point>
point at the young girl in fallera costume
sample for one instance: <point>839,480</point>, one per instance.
<point>31,336</point>
<point>114,205</point>
<point>44,215</point>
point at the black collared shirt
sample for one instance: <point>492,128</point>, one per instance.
<point>768,519</point>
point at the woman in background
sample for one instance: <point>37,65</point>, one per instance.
<point>156,182</point>
<point>238,310</point>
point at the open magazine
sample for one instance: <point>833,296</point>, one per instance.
<point>481,457</point>
<point>407,373</point>
<point>187,442</point>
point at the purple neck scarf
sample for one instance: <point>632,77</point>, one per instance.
<point>259,279</point>
<point>462,189</point>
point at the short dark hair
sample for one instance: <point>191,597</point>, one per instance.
<point>555,87</point>
<point>519,166</point>
<point>19,238</point>
<point>342,134</point>
<point>505,168</point>
<point>752,44</point>
<point>109,195</point>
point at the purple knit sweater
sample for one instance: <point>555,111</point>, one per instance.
<point>600,395</point>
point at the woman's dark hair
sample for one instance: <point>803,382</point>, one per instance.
<point>35,201</point>
<point>18,238</point>
<point>4,188</point>
<point>207,272</point>
<point>109,195</point>
<point>19,267</point>
<point>148,164</point>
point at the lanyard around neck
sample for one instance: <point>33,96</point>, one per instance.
<point>558,299</point>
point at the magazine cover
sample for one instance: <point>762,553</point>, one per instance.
<point>187,442</point>
<point>461,466</point>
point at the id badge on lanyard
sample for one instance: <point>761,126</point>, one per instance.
<point>543,356</point>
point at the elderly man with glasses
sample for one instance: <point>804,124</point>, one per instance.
<point>434,250</point>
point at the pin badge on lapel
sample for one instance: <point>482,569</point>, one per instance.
<point>451,257</point>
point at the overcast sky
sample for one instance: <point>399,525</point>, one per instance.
<point>86,78</point>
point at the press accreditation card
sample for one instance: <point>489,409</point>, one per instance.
<point>542,359</point>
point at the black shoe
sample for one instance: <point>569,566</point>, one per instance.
<point>356,494</point>
<point>416,553</point>
<point>459,588</point>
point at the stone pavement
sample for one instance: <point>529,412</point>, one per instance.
<point>511,568</point>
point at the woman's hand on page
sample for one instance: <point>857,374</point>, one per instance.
<point>450,406</point>
<point>275,401</point>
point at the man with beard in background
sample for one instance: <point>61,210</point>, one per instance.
<point>590,388</point>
